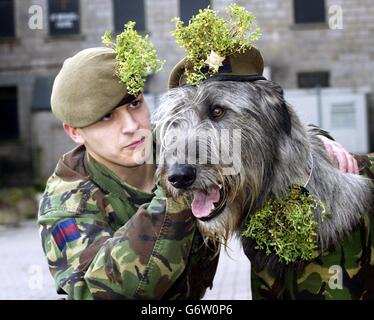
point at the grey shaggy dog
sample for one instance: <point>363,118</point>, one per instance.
<point>276,152</point>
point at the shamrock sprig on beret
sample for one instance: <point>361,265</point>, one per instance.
<point>209,39</point>
<point>136,57</point>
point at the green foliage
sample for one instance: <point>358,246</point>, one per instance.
<point>136,57</point>
<point>286,226</point>
<point>39,184</point>
<point>10,197</point>
<point>207,33</point>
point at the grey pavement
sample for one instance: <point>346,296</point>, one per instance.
<point>24,273</point>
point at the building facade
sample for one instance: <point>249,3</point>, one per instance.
<point>305,44</point>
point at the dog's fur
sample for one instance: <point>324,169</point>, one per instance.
<point>275,149</point>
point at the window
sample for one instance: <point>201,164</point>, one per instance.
<point>343,116</point>
<point>8,114</point>
<point>42,94</point>
<point>189,8</point>
<point>308,11</point>
<point>7,28</point>
<point>313,79</point>
<point>128,10</point>
<point>64,17</point>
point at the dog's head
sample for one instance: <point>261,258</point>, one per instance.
<point>218,144</point>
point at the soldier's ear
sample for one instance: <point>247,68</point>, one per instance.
<point>74,133</point>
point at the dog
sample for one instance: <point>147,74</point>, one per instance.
<point>276,151</point>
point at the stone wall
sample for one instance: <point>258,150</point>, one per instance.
<point>287,48</point>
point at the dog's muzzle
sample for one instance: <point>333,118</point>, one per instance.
<point>205,204</point>
<point>181,176</point>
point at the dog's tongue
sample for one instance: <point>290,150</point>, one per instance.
<point>202,204</point>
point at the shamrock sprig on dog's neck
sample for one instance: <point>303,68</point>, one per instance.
<point>136,58</point>
<point>209,39</point>
<point>287,226</point>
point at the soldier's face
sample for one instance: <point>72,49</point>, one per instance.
<point>122,137</point>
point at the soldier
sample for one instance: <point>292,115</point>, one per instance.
<point>107,231</point>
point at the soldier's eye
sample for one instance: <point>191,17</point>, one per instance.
<point>216,112</point>
<point>135,104</point>
<point>107,117</point>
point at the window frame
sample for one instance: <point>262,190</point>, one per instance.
<point>183,18</point>
<point>118,29</point>
<point>14,33</point>
<point>17,133</point>
<point>65,35</point>
<point>308,23</point>
<point>324,73</point>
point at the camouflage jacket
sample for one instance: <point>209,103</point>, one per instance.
<point>345,272</point>
<point>107,240</point>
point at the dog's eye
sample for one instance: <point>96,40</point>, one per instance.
<point>217,112</point>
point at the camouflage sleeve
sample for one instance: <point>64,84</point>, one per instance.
<point>141,260</point>
<point>366,164</point>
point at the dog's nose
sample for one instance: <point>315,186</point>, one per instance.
<point>182,176</point>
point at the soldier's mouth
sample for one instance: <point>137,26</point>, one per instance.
<point>135,144</point>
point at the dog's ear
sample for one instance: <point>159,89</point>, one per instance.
<point>277,88</point>
<point>284,114</point>
<point>286,118</point>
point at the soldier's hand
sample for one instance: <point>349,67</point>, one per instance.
<point>336,152</point>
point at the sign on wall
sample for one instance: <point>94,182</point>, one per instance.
<point>64,17</point>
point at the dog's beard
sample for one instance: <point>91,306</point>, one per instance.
<point>230,211</point>
<point>225,225</point>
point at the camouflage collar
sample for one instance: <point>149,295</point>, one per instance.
<point>73,165</point>
<point>109,182</point>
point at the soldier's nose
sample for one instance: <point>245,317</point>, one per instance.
<point>181,176</point>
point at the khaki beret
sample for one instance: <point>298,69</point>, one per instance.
<point>248,65</point>
<point>86,88</point>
